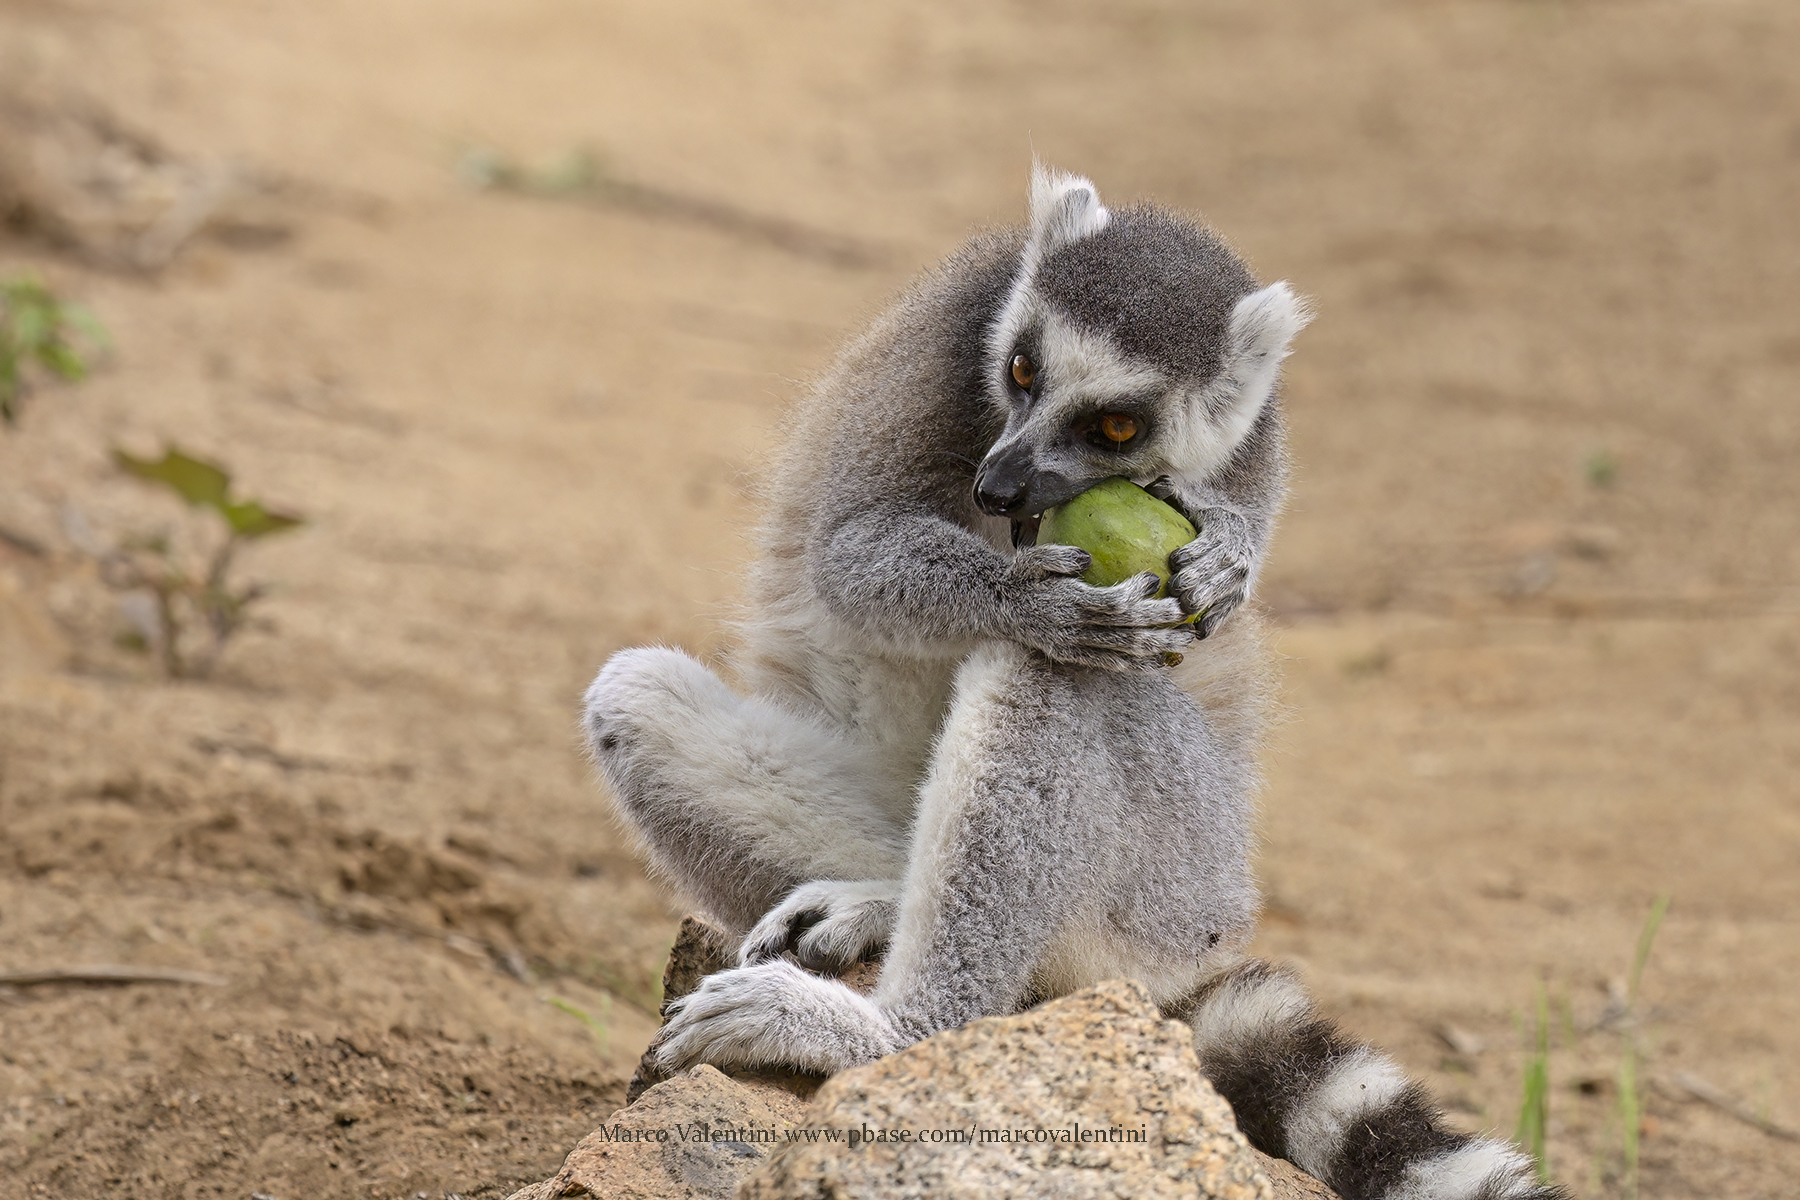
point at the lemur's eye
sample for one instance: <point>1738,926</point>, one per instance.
<point>1023,371</point>
<point>1117,428</point>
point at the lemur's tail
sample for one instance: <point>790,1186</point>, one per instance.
<point>1339,1110</point>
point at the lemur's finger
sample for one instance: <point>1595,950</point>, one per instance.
<point>1215,563</point>
<point>1141,614</point>
<point>1215,616</point>
<point>763,948</point>
<point>694,1022</point>
<point>845,938</point>
<point>1203,593</point>
<point>1123,663</point>
<point>1130,603</point>
<point>1042,562</point>
<point>777,931</point>
<point>1210,579</point>
<point>1147,644</point>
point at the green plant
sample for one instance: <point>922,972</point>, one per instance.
<point>638,985</point>
<point>1602,469</point>
<point>192,605</point>
<point>1631,1095</point>
<point>1534,1110</point>
<point>578,172</point>
<point>596,1025</point>
<point>36,327</point>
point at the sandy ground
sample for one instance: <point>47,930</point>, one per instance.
<point>1540,236</point>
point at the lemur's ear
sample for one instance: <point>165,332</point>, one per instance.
<point>1064,208</point>
<point>1263,326</point>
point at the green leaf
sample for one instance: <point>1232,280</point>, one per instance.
<point>31,325</point>
<point>249,519</point>
<point>60,357</point>
<point>207,485</point>
<point>79,317</point>
<point>26,292</point>
<point>194,480</point>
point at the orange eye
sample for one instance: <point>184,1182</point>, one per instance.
<point>1023,371</point>
<point>1117,427</point>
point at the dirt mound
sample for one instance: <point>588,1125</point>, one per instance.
<point>297,1114</point>
<point>166,830</point>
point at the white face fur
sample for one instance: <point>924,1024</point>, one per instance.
<point>1062,429</point>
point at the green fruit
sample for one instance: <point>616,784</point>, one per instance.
<point>1126,530</point>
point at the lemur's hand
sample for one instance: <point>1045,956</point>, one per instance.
<point>830,925</point>
<point>1212,572</point>
<point>1119,628</point>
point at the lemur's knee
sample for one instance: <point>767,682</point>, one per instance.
<point>645,698</point>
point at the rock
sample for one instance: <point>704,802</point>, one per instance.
<point>699,951</point>
<point>83,180</point>
<point>1290,1182</point>
<point>1092,1095</point>
<point>690,1137</point>
<point>1101,1057</point>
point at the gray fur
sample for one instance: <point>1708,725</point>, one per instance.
<point>949,746</point>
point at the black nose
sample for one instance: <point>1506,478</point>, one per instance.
<point>1003,480</point>
<point>999,498</point>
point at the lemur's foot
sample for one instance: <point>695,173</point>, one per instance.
<point>830,925</point>
<point>1212,572</point>
<point>774,1014</point>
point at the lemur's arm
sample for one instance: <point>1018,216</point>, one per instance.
<point>923,583</point>
<point>1234,509</point>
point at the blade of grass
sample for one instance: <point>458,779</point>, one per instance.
<point>1646,937</point>
<point>1534,1109</point>
<point>1630,1114</point>
<point>596,1025</point>
<point>1631,1096</point>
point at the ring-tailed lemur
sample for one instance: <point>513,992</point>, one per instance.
<point>952,746</point>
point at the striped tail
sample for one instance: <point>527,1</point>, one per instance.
<point>1339,1110</point>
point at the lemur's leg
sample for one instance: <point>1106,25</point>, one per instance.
<point>995,869</point>
<point>737,799</point>
<point>1015,795</point>
<point>1341,1110</point>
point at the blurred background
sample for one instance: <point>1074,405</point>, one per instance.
<point>506,301</point>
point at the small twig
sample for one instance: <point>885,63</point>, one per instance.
<point>500,957</point>
<point>792,236</point>
<point>1461,1040</point>
<point>107,973</point>
<point>1700,1089</point>
<point>593,185</point>
<point>21,543</point>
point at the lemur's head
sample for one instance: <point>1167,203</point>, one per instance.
<point>1133,343</point>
